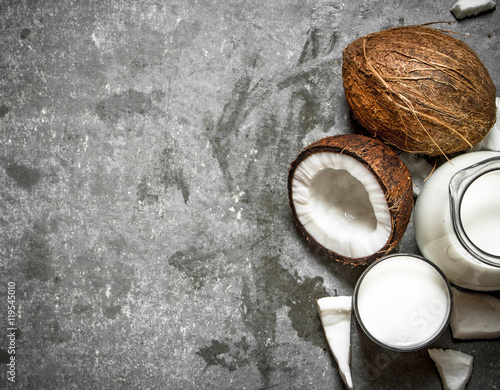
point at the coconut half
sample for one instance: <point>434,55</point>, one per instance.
<point>351,196</point>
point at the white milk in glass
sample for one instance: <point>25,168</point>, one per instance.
<point>402,302</point>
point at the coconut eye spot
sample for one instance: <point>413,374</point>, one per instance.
<point>340,202</point>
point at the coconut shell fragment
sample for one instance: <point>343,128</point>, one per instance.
<point>324,169</point>
<point>419,89</point>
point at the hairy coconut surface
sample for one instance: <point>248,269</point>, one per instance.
<point>419,89</point>
<point>382,166</point>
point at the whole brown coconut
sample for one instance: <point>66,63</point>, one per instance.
<point>419,89</point>
<point>351,197</point>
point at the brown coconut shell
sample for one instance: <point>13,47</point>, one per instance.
<point>391,173</point>
<point>419,89</point>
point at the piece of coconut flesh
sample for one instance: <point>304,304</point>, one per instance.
<point>341,204</point>
<point>465,8</point>
<point>454,367</point>
<point>474,315</point>
<point>335,316</point>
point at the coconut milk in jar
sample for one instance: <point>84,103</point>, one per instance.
<point>457,220</point>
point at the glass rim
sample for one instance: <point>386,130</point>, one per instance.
<point>411,347</point>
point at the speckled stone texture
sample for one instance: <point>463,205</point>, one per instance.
<point>144,149</point>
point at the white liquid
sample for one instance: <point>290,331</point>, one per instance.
<point>480,212</point>
<point>403,302</point>
<point>434,231</point>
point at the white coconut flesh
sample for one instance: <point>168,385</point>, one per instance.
<point>474,315</point>
<point>465,8</point>
<point>340,203</point>
<point>454,367</point>
<point>335,316</point>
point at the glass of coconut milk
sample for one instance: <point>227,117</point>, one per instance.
<point>402,302</point>
<point>457,220</point>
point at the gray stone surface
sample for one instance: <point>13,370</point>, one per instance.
<point>144,148</point>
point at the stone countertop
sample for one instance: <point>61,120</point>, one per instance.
<point>144,148</point>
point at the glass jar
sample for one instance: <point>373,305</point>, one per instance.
<point>457,220</point>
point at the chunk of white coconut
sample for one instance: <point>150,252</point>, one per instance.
<point>335,315</point>
<point>474,315</point>
<point>454,367</point>
<point>341,204</point>
<point>420,169</point>
<point>465,8</point>
<point>492,139</point>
